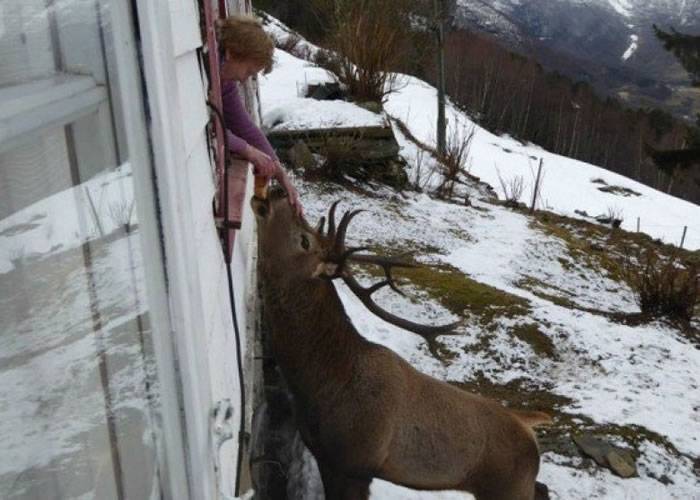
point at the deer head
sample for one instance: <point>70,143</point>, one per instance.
<point>291,247</point>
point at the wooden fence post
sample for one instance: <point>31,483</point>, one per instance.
<point>537,185</point>
<point>685,230</point>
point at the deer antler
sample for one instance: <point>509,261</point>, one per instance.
<point>365,296</point>
<point>340,255</point>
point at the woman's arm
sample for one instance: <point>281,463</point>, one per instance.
<point>241,132</point>
<point>250,143</point>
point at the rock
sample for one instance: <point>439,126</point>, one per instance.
<point>618,460</point>
<point>621,463</point>
<point>594,448</point>
<point>328,91</point>
<point>364,153</point>
<point>300,156</point>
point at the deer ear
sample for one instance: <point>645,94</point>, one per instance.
<point>261,207</point>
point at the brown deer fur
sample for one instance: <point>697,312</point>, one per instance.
<point>362,410</point>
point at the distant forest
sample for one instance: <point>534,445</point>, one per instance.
<point>510,93</point>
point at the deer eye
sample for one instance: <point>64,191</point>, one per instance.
<point>305,242</point>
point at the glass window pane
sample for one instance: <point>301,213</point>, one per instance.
<point>79,399</point>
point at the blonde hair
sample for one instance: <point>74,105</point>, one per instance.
<point>244,38</point>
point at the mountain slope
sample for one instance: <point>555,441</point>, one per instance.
<point>609,43</point>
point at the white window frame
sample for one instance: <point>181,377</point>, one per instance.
<point>64,97</point>
<point>172,443</point>
<point>47,103</point>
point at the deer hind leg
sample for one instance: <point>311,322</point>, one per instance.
<point>517,485</point>
<point>507,492</point>
<point>338,486</point>
<point>541,491</point>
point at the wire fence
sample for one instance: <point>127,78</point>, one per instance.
<point>682,231</point>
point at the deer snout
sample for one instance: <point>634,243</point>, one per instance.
<point>261,206</point>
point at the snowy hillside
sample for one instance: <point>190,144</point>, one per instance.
<point>569,185</point>
<point>541,310</point>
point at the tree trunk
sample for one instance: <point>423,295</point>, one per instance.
<point>440,34</point>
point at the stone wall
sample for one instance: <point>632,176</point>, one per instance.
<point>364,153</point>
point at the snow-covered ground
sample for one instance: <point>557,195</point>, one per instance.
<point>567,185</point>
<point>68,218</point>
<point>609,373</point>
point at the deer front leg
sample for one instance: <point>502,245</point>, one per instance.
<point>337,486</point>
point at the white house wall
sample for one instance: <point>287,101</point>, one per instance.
<point>196,269</point>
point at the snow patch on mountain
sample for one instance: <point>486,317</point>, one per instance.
<point>634,39</point>
<point>623,7</point>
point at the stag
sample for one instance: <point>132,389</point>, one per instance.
<point>361,409</point>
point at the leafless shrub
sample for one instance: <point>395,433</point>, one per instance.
<point>455,160</point>
<point>367,43</point>
<point>615,215</point>
<point>512,189</point>
<point>664,288</point>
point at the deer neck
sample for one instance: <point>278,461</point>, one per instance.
<point>314,341</point>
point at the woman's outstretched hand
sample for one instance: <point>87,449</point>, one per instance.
<point>263,165</point>
<point>292,193</point>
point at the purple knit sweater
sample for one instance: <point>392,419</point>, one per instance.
<point>240,128</point>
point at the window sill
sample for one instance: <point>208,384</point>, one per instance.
<point>51,102</point>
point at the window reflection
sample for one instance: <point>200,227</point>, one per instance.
<point>78,387</point>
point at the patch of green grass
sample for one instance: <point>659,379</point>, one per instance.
<point>463,295</point>
<point>531,333</point>
<point>518,394</point>
<point>536,286</point>
<point>581,239</point>
<point>600,247</point>
<point>457,292</point>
